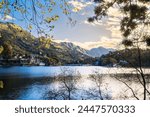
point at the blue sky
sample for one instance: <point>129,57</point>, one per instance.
<point>87,35</point>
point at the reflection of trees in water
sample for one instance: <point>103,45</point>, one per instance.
<point>69,85</point>
<point>12,87</point>
<point>66,83</point>
<point>67,88</point>
<point>134,85</point>
<point>100,90</point>
<point>15,87</point>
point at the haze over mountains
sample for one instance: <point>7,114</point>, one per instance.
<point>98,52</point>
<point>94,52</point>
<point>18,43</point>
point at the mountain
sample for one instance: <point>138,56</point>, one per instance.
<point>16,43</point>
<point>74,48</point>
<point>98,52</point>
<point>69,52</point>
<point>128,57</point>
<point>13,36</point>
<point>94,52</point>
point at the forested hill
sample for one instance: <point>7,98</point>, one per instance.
<point>17,44</point>
<point>19,47</point>
<point>126,58</point>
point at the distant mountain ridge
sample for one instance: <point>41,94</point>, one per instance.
<point>94,52</point>
<point>74,48</point>
<point>16,43</point>
<point>98,52</point>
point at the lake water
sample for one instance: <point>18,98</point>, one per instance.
<point>42,71</point>
<point>36,82</point>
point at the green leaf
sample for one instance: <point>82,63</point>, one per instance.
<point>1,84</point>
<point>30,27</point>
<point>1,49</point>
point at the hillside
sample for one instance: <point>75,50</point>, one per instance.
<point>94,52</point>
<point>16,43</point>
<point>126,58</point>
<point>98,52</point>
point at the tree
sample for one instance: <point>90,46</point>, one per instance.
<point>37,14</point>
<point>67,85</point>
<point>134,27</point>
<point>98,91</point>
<point>135,42</point>
<point>135,13</point>
<point>8,50</point>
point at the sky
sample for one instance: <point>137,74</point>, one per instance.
<point>104,33</point>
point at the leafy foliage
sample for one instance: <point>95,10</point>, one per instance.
<point>34,13</point>
<point>127,42</point>
<point>17,43</point>
<point>126,58</point>
<point>135,18</point>
<point>147,40</point>
<point>1,49</point>
<point>8,50</point>
<point>1,84</point>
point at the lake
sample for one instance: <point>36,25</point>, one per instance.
<point>37,82</point>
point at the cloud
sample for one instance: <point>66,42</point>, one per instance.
<point>7,18</point>
<point>79,5</point>
<point>110,23</point>
<point>102,42</point>
<point>59,41</point>
<point>95,23</point>
<point>108,29</point>
<point>113,20</point>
